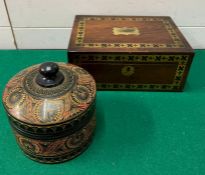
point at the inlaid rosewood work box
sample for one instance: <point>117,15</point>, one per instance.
<point>131,52</point>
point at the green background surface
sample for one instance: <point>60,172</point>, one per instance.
<point>145,133</point>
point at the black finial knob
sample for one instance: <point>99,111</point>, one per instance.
<point>49,75</point>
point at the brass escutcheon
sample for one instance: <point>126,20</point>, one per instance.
<point>128,70</point>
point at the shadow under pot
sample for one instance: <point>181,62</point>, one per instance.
<point>51,108</point>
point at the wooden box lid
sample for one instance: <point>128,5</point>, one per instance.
<point>126,34</point>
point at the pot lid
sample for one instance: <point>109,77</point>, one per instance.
<point>49,93</point>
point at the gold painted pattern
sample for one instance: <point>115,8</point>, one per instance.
<point>34,108</point>
<point>177,43</point>
<point>57,150</point>
<point>54,129</point>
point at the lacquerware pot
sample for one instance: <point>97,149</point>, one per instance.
<point>51,108</point>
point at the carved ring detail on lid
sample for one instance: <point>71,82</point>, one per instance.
<point>39,91</point>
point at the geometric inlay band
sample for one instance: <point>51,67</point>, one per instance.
<point>180,60</point>
<point>81,26</point>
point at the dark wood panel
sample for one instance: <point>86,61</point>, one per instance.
<point>132,73</point>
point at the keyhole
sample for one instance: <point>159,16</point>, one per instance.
<point>128,69</point>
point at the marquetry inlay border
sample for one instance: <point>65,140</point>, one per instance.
<point>180,60</point>
<point>81,26</point>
